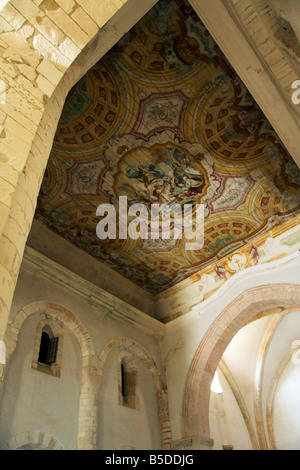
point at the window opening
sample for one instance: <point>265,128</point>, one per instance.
<point>128,384</point>
<point>48,349</point>
<point>123,376</point>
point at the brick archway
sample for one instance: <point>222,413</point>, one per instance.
<point>195,410</point>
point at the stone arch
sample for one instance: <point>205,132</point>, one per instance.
<point>195,410</point>
<point>136,350</point>
<point>87,430</point>
<point>33,440</point>
<point>50,310</point>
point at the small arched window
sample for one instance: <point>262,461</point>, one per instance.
<point>128,383</point>
<point>123,380</point>
<point>48,349</point>
<point>47,353</point>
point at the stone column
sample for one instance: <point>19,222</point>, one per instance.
<point>165,425</point>
<point>88,412</point>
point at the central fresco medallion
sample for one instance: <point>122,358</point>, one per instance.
<point>163,118</point>
<point>162,174</point>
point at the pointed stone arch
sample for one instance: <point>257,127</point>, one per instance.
<point>195,409</point>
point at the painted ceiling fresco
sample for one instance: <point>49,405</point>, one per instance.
<point>163,118</point>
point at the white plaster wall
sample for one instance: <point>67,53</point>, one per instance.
<point>286,414</point>
<point>286,405</point>
<point>241,357</point>
<point>227,425</point>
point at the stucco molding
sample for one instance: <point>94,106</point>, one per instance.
<point>37,263</point>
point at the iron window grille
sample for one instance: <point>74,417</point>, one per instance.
<point>48,349</point>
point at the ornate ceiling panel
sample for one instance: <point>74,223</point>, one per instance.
<point>163,119</point>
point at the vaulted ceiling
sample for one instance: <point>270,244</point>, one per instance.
<point>163,118</point>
